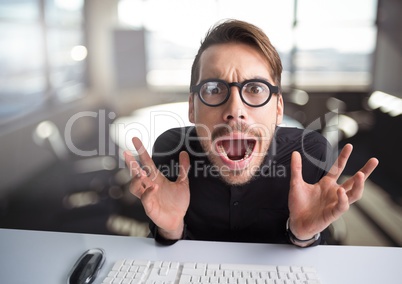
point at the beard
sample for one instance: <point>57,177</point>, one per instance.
<point>238,176</point>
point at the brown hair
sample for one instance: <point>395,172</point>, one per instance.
<point>241,32</point>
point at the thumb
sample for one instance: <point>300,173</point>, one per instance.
<point>184,166</point>
<point>295,169</point>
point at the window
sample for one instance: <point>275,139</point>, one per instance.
<point>37,63</point>
<point>323,44</point>
<point>334,44</point>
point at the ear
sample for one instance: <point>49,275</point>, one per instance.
<point>191,108</point>
<point>279,109</point>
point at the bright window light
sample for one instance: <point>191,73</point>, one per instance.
<point>70,5</point>
<point>386,103</point>
<point>79,53</point>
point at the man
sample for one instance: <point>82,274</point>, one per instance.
<point>236,175</point>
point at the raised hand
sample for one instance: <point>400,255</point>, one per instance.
<point>164,202</point>
<point>313,207</point>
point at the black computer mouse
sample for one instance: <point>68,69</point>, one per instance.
<point>87,267</point>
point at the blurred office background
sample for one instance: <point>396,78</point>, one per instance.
<point>76,75</point>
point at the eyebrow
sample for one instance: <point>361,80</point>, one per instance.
<point>251,78</point>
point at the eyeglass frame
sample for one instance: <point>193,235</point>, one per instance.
<point>272,90</point>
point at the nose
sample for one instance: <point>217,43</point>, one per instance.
<point>235,109</point>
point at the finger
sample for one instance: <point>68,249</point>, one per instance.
<point>139,184</point>
<point>137,188</point>
<point>132,164</point>
<point>146,199</point>
<point>139,179</point>
<point>350,182</point>
<point>343,203</point>
<point>369,167</point>
<point>358,187</point>
<point>340,163</point>
<point>295,169</point>
<point>184,161</point>
<point>366,171</point>
<point>144,157</point>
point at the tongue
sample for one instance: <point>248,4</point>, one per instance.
<point>235,149</point>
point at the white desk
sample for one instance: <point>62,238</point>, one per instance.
<point>46,257</point>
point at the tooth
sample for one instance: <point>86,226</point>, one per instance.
<point>249,150</point>
<point>222,150</point>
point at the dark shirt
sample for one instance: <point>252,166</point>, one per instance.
<point>254,212</point>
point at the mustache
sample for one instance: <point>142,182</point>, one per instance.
<point>227,129</point>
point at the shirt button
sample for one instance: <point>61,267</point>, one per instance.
<point>236,203</point>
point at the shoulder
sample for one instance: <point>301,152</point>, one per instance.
<point>295,139</point>
<point>168,146</point>
<point>175,133</point>
<point>298,135</point>
<point>171,142</point>
<point>317,153</point>
<point>173,139</point>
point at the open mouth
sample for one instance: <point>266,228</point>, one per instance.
<point>235,149</point>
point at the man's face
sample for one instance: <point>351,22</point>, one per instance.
<point>235,136</point>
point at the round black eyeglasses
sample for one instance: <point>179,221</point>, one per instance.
<point>216,92</point>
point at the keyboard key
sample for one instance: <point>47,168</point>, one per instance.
<point>193,271</point>
<point>248,267</point>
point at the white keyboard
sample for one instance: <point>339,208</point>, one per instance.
<point>167,272</point>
